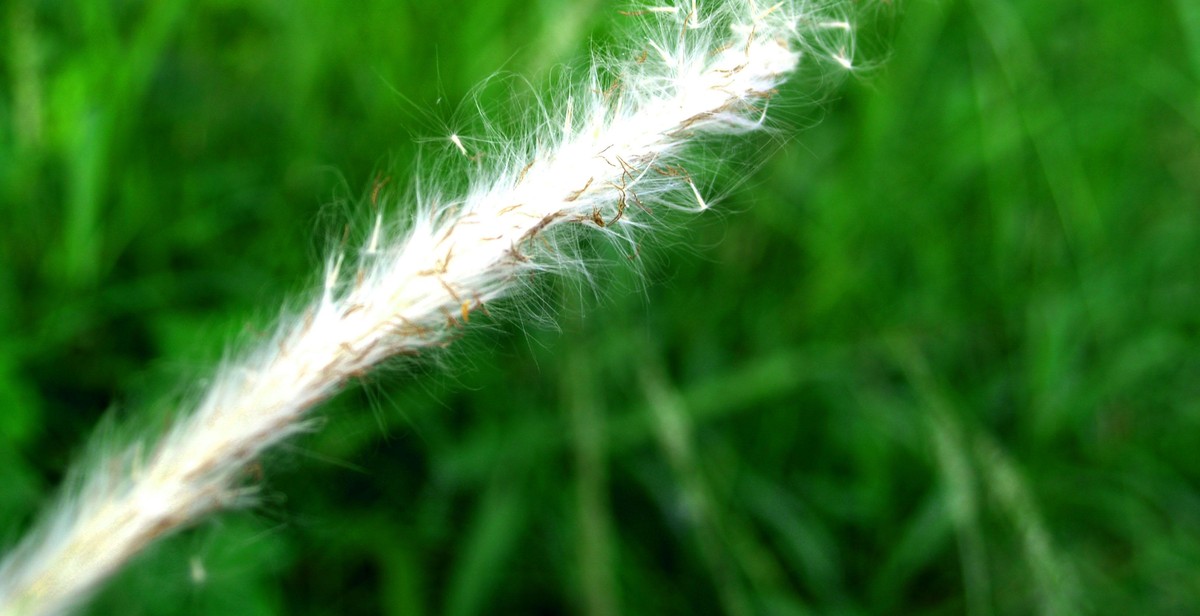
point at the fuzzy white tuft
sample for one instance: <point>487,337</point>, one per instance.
<point>614,152</point>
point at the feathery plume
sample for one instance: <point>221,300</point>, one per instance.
<point>613,152</point>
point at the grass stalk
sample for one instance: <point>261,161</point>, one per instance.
<point>599,160</point>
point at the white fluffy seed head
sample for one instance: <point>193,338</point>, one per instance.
<point>602,159</point>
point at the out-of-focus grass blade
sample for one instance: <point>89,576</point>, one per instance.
<point>492,540</point>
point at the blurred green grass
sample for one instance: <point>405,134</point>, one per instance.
<point>940,356</point>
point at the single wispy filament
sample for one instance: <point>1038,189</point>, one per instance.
<point>615,153</point>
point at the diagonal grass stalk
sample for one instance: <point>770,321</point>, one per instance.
<point>599,160</point>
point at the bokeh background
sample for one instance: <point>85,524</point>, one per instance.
<point>937,354</point>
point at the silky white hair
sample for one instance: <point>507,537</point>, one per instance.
<point>598,160</point>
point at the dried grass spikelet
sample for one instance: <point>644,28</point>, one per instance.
<point>616,148</point>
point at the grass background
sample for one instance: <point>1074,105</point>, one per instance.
<point>939,356</point>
